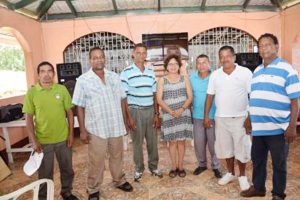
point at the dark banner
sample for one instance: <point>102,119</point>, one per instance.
<point>161,45</point>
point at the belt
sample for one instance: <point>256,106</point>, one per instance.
<point>140,107</point>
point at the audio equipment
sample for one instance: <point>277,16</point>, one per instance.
<point>249,60</point>
<point>67,73</point>
<point>11,112</point>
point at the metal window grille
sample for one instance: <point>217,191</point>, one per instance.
<point>117,49</point>
<point>209,42</point>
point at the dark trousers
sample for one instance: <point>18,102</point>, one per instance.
<point>64,158</point>
<point>143,118</point>
<point>279,153</point>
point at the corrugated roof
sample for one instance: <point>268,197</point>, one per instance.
<point>67,9</point>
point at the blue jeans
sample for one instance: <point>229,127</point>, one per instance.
<point>279,153</point>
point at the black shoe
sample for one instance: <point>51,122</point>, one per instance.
<point>277,198</point>
<point>252,192</point>
<point>217,173</point>
<point>199,170</point>
<point>126,187</point>
<point>70,197</point>
<point>94,196</point>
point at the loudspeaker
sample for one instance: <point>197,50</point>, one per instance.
<point>249,60</point>
<point>67,73</point>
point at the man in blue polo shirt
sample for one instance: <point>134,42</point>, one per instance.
<point>275,90</point>
<point>202,135</point>
<point>139,84</point>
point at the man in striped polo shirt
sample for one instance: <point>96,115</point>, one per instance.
<point>140,86</point>
<point>275,90</point>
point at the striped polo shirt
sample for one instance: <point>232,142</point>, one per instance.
<point>272,89</point>
<point>139,86</point>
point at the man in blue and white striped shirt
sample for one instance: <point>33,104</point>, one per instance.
<point>139,84</point>
<point>275,90</point>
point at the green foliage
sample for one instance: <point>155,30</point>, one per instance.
<point>11,58</point>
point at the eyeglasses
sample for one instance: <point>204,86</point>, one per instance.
<point>173,64</point>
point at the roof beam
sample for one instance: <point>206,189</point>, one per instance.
<point>72,8</point>
<point>158,5</point>
<point>4,3</point>
<point>277,3</point>
<point>27,12</point>
<point>115,6</point>
<point>40,6</point>
<point>246,2</point>
<point>240,8</point>
<point>163,10</point>
<point>203,4</point>
<point>23,11</point>
<point>44,7</point>
<point>289,4</point>
<point>20,4</point>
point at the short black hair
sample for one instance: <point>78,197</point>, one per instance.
<point>269,35</point>
<point>139,45</point>
<point>226,47</point>
<point>42,64</point>
<point>95,49</point>
<point>202,56</point>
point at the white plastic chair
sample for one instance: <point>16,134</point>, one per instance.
<point>32,186</point>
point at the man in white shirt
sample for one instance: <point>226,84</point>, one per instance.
<point>230,85</point>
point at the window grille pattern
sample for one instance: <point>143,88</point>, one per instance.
<point>209,42</point>
<point>117,49</point>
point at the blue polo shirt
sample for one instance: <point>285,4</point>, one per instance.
<point>199,87</point>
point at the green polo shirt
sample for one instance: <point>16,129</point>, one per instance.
<point>49,109</point>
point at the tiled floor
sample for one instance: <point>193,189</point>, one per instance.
<point>202,187</point>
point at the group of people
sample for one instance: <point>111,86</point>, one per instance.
<point>218,109</point>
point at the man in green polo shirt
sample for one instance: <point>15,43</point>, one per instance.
<point>46,106</point>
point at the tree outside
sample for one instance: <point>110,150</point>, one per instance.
<point>12,71</point>
<point>11,58</point>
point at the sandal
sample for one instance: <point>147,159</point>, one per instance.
<point>173,173</point>
<point>181,173</point>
